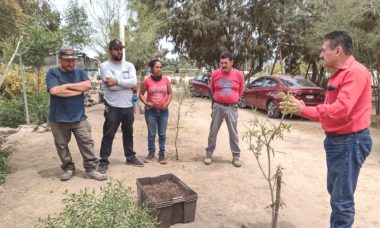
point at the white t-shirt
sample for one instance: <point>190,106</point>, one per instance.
<point>119,95</point>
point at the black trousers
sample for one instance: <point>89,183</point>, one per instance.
<point>113,117</point>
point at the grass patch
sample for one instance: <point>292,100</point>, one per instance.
<point>4,154</point>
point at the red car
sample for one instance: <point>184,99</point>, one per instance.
<point>263,93</point>
<point>199,86</point>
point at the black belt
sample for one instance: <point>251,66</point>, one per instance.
<point>334,135</point>
<point>226,105</point>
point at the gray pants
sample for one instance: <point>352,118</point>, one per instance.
<point>230,114</point>
<point>82,132</point>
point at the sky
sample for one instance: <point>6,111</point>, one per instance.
<point>60,5</point>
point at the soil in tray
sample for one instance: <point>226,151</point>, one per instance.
<point>165,190</point>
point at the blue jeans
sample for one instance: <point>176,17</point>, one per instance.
<point>345,156</point>
<point>156,120</point>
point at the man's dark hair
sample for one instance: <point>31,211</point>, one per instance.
<point>226,55</point>
<point>115,43</point>
<point>153,62</point>
<point>341,38</point>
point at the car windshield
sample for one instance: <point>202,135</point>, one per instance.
<point>297,82</point>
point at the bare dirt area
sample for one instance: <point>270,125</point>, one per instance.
<point>227,196</point>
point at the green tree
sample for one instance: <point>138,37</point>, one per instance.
<point>143,33</point>
<point>250,29</point>
<point>77,29</point>
<point>41,36</point>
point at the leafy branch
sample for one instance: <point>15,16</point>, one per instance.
<point>259,136</point>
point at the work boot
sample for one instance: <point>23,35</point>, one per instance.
<point>102,168</point>
<point>208,160</point>
<point>149,159</point>
<point>162,159</point>
<point>236,162</point>
<point>67,175</point>
<point>93,174</point>
<point>135,162</point>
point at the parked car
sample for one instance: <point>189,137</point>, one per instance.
<point>264,93</point>
<point>199,86</point>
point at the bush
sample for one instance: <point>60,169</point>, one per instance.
<point>4,154</point>
<point>12,111</point>
<point>39,107</point>
<point>113,207</point>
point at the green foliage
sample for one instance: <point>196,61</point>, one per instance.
<point>143,33</point>
<point>12,111</point>
<point>259,137</point>
<point>112,207</point>
<point>38,105</point>
<point>77,29</point>
<point>12,85</point>
<point>4,154</point>
<point>10,16</point>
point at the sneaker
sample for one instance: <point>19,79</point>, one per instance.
<point>149,159</point>
<point>93,174</point>
<point>208,160</point>
<point>162,160</point>
<point>236,162</point>
<point>67,175</point>
<point>135,162</point>
<point>102,168</point>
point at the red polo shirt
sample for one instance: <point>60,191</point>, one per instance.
<point>347,107</point>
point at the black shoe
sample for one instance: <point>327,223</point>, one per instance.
<point>135,162</point>
<point>102,168</point>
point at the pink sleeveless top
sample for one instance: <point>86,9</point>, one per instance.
<point>157,92</point>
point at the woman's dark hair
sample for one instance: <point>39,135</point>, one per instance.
<point>153,62</point>
<point>341,38</point>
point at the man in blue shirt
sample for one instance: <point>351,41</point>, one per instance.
<point>66,85</point>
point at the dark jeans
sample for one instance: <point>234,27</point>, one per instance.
<point>345,156</point>
<point>156,120</point>
<point>113,117</point>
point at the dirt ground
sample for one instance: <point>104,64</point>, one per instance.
<point>227,196</point>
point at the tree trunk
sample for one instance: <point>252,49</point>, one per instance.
<point>274,63</point>
<point>277,205</point>
<point>315,72</point>
<point>376,85</point>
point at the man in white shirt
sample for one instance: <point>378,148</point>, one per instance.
<point>119,78</point>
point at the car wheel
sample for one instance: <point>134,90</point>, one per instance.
<point>241,102</point>
<point>272,110</point>
<point>192,92</point>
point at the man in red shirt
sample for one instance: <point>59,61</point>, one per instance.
<point>345,118</point>
<point>227,85</point>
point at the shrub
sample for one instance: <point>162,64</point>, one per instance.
<point>12,111</point>
<point>112,207</point>
<point>4,154</point>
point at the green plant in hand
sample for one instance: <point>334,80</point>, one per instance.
<point>112,207</point>
<point>286,104</point>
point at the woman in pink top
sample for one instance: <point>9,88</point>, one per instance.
<point>159,95</point>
